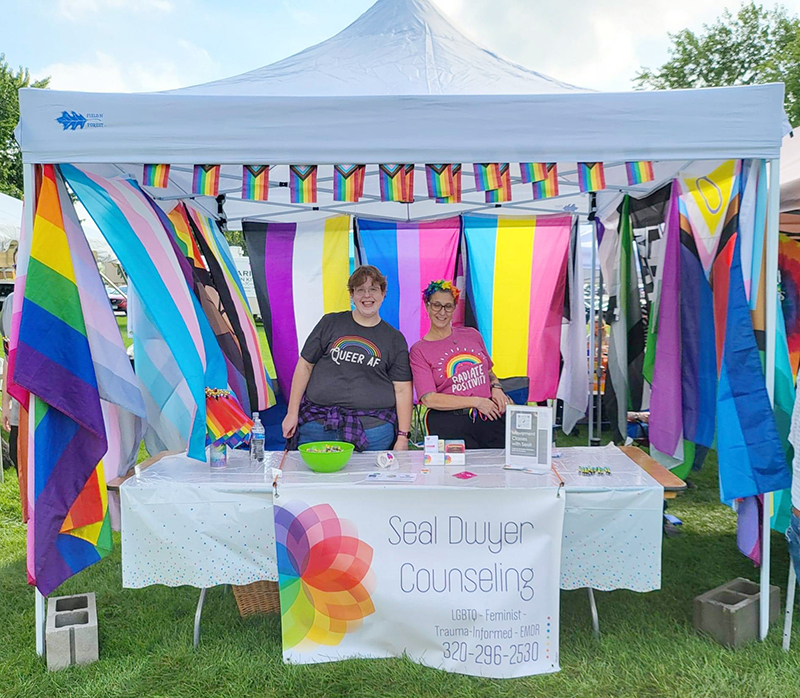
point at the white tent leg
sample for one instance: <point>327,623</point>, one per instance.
<point>592,332</point>
<point>787,616</point>
<point>41,622</point>
<point>773,213</point>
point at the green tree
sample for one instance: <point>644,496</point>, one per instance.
<point>10,156</point>
<point>754,46</point>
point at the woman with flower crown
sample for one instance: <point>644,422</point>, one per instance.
<point>453,376</point>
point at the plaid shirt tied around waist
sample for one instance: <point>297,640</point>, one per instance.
<point>340,419</point>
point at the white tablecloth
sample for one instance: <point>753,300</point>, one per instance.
<point>183,523</point>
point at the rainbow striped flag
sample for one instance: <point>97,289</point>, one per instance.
<point>227,423</point>
<point>639,172</point>
<point>255,182</point>
<point>397,183</point>
<point>440,181</point>
<point>411,255</point>
<point>487,176</point>
<point>303,184</point>
<point>156,176</point>
<point>591,176</point>
<point>503,192</point>
<point>409,191</point>
<point>516,287</point>
<point>184,237</point>
<point>455,198</point>
<point>533,171</point>
<point>205,181</point>
<point>348,182</point>
<point>547,187</point>
<point>69,529</point>
<point>300,271</point>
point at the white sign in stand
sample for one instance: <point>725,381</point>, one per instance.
<point>529,438</point>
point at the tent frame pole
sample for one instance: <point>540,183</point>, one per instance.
<point>773,216</point>
<point>592,333</point>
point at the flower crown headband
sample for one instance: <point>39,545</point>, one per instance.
<point>441,285</point>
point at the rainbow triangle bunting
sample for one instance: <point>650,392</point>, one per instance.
<point>487,176</point>
<point>548,187</point>
<point>205,181</point>
<point>455,198</point>
<point>156,176</point>
<point>533,172</point>
<point>591,176</point>
<point>348,182</point>
<point>255,182</point>
<point>503,192</point>
<point>639,172</point>
<point>440,181</point>
<point>303,184</point>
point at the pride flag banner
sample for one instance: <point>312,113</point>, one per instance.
<point>503,192</point>
<point>300,271</point>
<point>303,184</point>
<point>547,187</point>
<point>394,182</point>
<point>533,172</point>
<point>515,286</point>
<point>255,182</point>
<point>348,182</point>
<point>411,255</point>
<point>639,172</point>
<point>455,197</point>
<point>591,176</point>
<point>205,181</point>
<point>440,181</point>
<point>156,176</point>
<point>487,176</point>
<point>789,265</point>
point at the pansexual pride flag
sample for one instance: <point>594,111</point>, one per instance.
<point>516,284</point>
<point>255,182</point>
<point>410,255</point>
<point>503,192</point>
<point>487,176</point>
<point>440,181</point>
<point>300,271</point>
<point>455,198</point>
<point>547,187</point>
<point>303,184</point>
<point>533,172</point>
<point>348,182</point>
<point>591,176</point>
<point>639,172</point>
<point>205,180</point>
<point>156,176</point>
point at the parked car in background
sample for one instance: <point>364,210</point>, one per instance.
<point>119,302</point>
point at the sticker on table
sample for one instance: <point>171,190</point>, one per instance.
<point>465,475</point>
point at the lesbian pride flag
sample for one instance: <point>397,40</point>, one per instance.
<point>410,255</point>
<point>515,285</point>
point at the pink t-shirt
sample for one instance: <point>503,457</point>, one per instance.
<point>456,365</point>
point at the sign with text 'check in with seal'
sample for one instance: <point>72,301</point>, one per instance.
<point>529,438</point>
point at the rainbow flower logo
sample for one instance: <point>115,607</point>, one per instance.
<point>325,576</point>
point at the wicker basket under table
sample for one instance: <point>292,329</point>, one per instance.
<point>258,597</point>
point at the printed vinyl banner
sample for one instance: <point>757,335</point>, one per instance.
<point>397,572</point>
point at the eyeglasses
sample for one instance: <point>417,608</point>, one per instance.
<point>436,306</point>
<point>373,290</point>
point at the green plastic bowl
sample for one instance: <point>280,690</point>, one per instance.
<point>326,462</point>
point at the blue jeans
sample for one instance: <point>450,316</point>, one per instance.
<point>380,438</point>
<point>793,537</point>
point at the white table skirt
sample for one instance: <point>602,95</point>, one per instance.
<point>184,524</point>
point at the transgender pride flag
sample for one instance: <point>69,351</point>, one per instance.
<point>410,255</point>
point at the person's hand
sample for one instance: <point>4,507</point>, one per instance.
<point>488,408</point>
<point>500,399</point>
<point>6,421</point>
<point>401,444</point>
<point>289,426</point>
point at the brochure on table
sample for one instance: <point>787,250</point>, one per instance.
<point>529,438</point>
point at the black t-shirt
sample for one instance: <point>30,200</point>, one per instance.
<point>355,366</point>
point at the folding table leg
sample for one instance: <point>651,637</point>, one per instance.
<point>197,615</point>
<point>593,609</point>
<point>787,616</point>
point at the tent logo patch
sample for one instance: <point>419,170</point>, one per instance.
<point>72,121</point>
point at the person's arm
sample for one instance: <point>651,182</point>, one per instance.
<point>403,405</point>
<point>302,374</point>
<point>499,396</point>
<point>6,399</point>
<point>447,403</point>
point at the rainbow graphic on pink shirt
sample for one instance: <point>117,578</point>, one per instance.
<point>325,578</point>
<point>345,343</point>
<point>459,360</point>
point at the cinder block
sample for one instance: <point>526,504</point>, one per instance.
<point>730,613</point>
<point>71,634</point>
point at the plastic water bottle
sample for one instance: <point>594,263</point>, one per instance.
<point>257,438</point>
<point>218,456</point>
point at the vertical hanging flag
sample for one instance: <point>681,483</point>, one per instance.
<point>591,176</point>
<point>255,182</point>
<point>348,182</point>
<point>487,176</point>
<point>303,184</point>
<point>503,192</point>
<point>300,271</point>
<point>455,197</point>
<point>411,255</point>
<point>394,182</point>
<point>156,176</point>
<point>205,181</point>
<point>440,181</point>
<point>409,190</point>
<point>639,172</point>
<point>789,265</point>
<point>547,187</point>
<point>533,171</point>
<point>516,285</point>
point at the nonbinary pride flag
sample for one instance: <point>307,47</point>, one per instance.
<point>516,284</point>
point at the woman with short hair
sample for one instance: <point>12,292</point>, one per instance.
<point>352,381</point>
<point>453,376</point>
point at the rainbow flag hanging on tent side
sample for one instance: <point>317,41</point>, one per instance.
<point>487,176</point>
<point>156,176</point>
<point>547,187</point>
<point>533,172</point>
<point>348,182</point>
<point>639,172</point>
<point>411,255</point>
<point>300,271</point>
<point>303,184</point>
<point>503,193</point>
<point>70,528</point>
<point>455,198</point>
<point>516,287</point>
<point>591,176</point>
<point>255,182</point>
<point>205,181</point>
<point>440,181</point>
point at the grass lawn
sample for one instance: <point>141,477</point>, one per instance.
<point>647,647</point>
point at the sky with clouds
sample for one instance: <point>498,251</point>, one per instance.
<point>146,45</point>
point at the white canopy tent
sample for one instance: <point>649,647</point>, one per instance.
<point>402,85</point>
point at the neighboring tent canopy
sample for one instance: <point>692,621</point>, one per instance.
<point>790,173</point>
